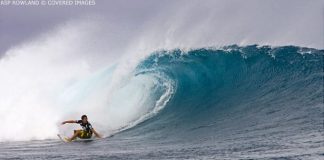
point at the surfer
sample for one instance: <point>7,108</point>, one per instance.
<point>85,132</point>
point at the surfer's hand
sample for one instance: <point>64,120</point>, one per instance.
<point>63,123</point>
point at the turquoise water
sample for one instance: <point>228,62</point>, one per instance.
<point>251,102</point>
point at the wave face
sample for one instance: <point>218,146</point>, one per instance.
<point>216,103</point>
<point>256,95</point>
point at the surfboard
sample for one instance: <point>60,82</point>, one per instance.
<point>64,139</point>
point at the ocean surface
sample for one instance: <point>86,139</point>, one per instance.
<point>232,102</point>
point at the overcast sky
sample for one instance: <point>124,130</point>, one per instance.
<point>184,22</point>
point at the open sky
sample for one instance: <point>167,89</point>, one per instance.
<point>191,23</point>
<point>52,56</point>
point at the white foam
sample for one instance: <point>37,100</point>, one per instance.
<point>32,75</point>
<point>51,79</point>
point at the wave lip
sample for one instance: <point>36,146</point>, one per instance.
<point>234,95</point>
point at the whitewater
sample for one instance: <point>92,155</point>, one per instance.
<point>190,82</point>
<point>230,102</point>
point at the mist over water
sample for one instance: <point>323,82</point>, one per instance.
<point>187,75</point>
<point>48,80</point>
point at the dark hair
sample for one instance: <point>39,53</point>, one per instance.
<point>83,116</point>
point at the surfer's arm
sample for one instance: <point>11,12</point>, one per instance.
<point>69,121</point>
<point>96,133</point>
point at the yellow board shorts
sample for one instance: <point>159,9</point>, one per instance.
<point>84,134</point>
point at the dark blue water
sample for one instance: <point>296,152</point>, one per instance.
<point>253,102</point>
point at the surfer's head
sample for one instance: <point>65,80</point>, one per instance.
<point>84,118</point>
